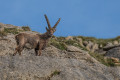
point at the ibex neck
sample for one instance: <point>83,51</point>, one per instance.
<point>45,36</point>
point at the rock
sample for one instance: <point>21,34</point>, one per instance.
<point>90,44</point>
<point>1,29</point>
<point>95,47</point>
<point>91,47</point>
<point>52,51</point>
<point>80,41</point>
<point>88,48</point>
<point>69,38</point>
<point>109,44</point>
<point>100,51</point>
<point>2,25</point>
<point>115,42</point>
<point>85,43</point>
<point>115,60</point>
<point>114,52</point>
<point>118,64</point>
<point>101,46</point>
<point>54,64</point>
<point>107,48</point>
<point>40,68</point>
<point>2,47</point>
<point>73,49</point>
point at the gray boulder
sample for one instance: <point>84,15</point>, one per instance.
<point>114,52</point>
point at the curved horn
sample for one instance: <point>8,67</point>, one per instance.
<point>48,23</point>
<point>57,23</point>
<point>47,29</point>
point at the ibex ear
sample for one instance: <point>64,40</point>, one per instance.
<point>47,29</point>
<point>56,23</point>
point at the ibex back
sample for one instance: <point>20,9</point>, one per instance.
<point>38,41</point>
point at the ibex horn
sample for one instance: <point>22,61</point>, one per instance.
<point>48,23</point>
<point>56,23</point>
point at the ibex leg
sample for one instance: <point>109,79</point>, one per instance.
<point>18,49</point>
<point>40,52</point>
<point>36,51</point>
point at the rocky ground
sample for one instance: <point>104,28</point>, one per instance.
<point>56,63</point>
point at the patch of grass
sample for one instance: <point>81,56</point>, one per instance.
<point>26,28</point>
<point>75,43</point>
<point>56,72</point>
<point>100,58</point>
<point>110,62</point>
<point>104,41</point>
<point>11,30</point>
<point>70,42</point>
<point>61,43</point>
<point>57,44</point>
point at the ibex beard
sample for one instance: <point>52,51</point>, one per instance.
<point>38,41</point>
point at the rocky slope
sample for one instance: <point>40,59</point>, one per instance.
<point>70,60</point>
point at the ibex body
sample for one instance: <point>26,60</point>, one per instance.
<point>38,41</point>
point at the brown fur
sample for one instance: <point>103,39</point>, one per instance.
<point>37,41</point>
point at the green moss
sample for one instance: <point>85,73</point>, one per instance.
<point>26,28</point>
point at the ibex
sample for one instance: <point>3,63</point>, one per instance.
<point>38,41</point>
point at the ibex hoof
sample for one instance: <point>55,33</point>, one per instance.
<point>39,55</point>
<point>14,54</point>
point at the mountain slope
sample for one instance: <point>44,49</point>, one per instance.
<point>61,60</point>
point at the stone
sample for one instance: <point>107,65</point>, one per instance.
<point>80,41</point>
<point>114,52</point>
<point>54,64</point>
<point>88,48</point>
<point>109,44</point>
<point>95,47</point>
<point>85,43</point>
<point>1,29</point>
<point>101,46</point>
<point>90,44</point>
<point>73,49</point>
<point>69,38</point>
<point>115,42</point>
<point>115,60</point>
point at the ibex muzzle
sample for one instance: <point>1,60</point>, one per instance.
<point>38,41</point>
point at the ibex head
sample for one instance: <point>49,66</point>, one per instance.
<point>51,30</point>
